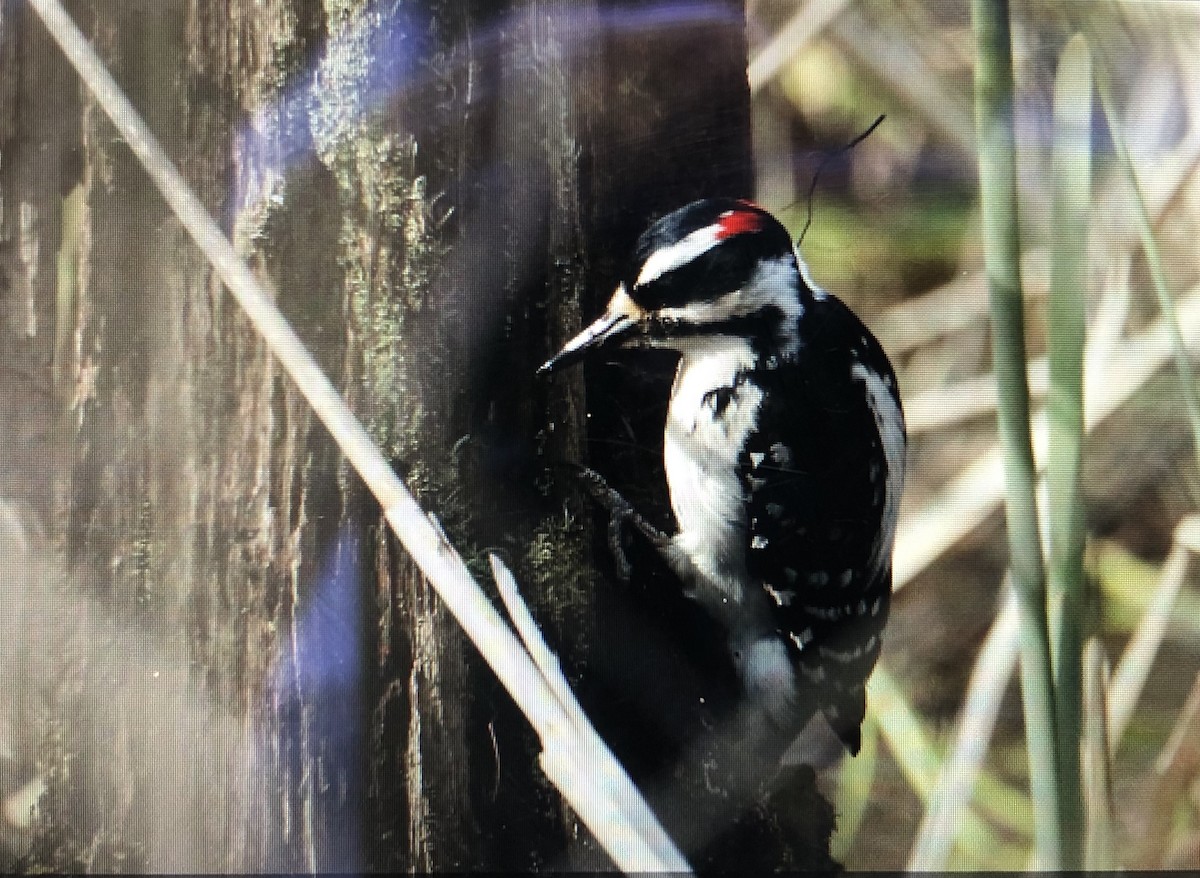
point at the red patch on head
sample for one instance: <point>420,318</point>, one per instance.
<point>735,222</point>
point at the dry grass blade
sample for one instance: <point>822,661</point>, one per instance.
<point>920,762</point>
<point>1177,767</point>
<point>1158,276</point>
<point>952,307</point>
<point>944,407</point>
<point>962,302</point>
<point>527,629</point>
<point>806,24</point>
<point>976,492</point>
<point>951,796</point>
<point>897,66</point>
<point>1127,683</point>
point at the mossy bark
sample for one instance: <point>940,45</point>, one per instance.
<point>237,667</point>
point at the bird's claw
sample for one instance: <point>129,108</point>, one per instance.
<point>619,512</point>
<point>616,545</point>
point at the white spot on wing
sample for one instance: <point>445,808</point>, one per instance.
<point>831,614</point>
<point>782,597</point>
<point>781,454</point>
<point>815,675</point>
<point>803,639</point>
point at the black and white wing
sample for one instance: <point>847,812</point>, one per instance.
<point>822,473</point>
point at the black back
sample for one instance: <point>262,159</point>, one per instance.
<point>816,510</point>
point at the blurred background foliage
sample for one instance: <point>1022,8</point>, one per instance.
<point>895,231</point>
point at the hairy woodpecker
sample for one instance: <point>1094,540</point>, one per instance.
<point>784,452</point>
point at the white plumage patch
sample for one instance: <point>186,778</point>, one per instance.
<point>819,294</point>
<point>772,286</point>
<point>678,254</point>
<point>781,597</point>
<point>803,639</point>
<point>768,676</point>
<point>889,421</point>
<point>700,453</point>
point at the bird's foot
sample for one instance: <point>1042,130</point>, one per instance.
<point>620,513</point>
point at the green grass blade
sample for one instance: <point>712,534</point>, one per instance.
<point>1002,259</point>
<point>1071,186</point>
<point>1101,850</point>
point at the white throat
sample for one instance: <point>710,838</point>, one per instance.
<point>710,415</point>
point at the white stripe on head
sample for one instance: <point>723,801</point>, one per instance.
<point>680,253</point>
<point>772,286</point>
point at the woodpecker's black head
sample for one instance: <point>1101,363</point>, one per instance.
<point>715,267</point>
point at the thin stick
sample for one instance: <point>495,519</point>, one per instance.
<point>812,186</point>
<point>639,846</point>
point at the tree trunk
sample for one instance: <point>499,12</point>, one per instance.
<point>222,659</point>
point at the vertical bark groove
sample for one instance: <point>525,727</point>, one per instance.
<point>242,671</point>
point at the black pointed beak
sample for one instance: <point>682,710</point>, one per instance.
<point>608,329</point>
<point>618,321</point>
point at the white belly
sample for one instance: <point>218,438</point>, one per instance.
<point>709,418</point>
<point>708,421</point>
